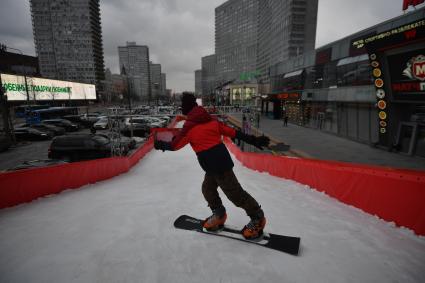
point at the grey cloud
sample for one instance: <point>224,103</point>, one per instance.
<point>16,26</point>
<point>180,32</point>
<point>338,19</point>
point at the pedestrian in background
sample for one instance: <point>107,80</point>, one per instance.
<point>285,121</point>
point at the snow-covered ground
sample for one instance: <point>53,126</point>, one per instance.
<point>121,230</point>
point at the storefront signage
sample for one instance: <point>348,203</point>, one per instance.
<point>288,96</point>
<point>248,76</point>
<point>379,83</point>
<point>377,72</point>
<point>380,93</point>
<point>357,45</point>
<point>382,104</point>
<point>392,81</point>
<point>407,73</point>
<point>407,3</point>
<point>323,56</point>
<point>19,88</point>
<point>405,32</point>
<point>415,68</point>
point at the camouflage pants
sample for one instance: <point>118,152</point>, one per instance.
<point>229,184</point>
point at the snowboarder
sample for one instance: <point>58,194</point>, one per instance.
<point>204,133</point>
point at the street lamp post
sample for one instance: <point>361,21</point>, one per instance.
<point>129,100</point>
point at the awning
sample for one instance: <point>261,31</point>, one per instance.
<point>293,74</point>
<point>350,60</point>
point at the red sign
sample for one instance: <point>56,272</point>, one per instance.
<point>324,56</point>
<point>288,95</point>
<point>407,3</point>
<point>407,87</point>
<point>418,68</point>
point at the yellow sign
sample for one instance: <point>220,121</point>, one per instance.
<point>382,115</point>
<point>379,82</point>
<point>375,64</point>
<point>377,72</point>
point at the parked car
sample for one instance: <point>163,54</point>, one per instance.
<point>29,134</point>
<point>101,124</point>
<point>67,125</point>
<point>54,130</point>
<point>139,130</point>
<point>5,142</point>
<point>146,120</point>
<point>79,147</point>
<point>36,163</point>
<point>91,117</point>
<point>126,142</point>
<point>156,122</point>
<point>76,119</point>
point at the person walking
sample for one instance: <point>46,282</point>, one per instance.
<point>285,121</point>
<point>204,133</point>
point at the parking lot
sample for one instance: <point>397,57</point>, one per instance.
<point>26,149</point>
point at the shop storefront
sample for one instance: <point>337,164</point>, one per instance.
<point>397,58</point>
<point>244,95</point>
<point>279,105</point>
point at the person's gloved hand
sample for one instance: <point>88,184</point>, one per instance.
<point>162,145</point>
<point>258,142</point>
<point>261,141</point>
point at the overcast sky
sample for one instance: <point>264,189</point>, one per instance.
<point>180,32</point>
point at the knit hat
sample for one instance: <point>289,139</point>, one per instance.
<point>188,102</point>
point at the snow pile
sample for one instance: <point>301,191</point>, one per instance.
<point>121,230</point>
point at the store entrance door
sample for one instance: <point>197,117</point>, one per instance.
<point>411,138</point>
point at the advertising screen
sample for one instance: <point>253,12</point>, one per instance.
<point>407,72</point>
<point>45,89</point>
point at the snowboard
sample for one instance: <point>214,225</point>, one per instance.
<point>286,244</point>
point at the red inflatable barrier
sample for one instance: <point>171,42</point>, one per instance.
<point>26,185</point>
<point>391,194</point>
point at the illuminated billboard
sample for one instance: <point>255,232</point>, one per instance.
<point>38,89</point>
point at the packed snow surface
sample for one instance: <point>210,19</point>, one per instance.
<point>121,230</point>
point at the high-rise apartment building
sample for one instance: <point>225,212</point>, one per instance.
<point>163,84</point>
<point>198,82</point>
<point>155,70</point>
<point>134,59</point>
<point>208,75</point>
<point>236,26</point>
<point>286,29</point>
<point>68,39</point>
<point>252,35</point>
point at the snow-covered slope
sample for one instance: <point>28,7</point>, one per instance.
<point>121,230</point>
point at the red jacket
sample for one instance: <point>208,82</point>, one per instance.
<point>204,133</point>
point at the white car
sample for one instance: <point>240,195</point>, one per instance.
<point>102,124</point>
<point>144,121</point>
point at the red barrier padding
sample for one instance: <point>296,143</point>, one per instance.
<point>26,185</point>
<point>391,194</point>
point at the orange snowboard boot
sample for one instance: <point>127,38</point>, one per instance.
<point>216,220</point>
<point>254,229</point>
